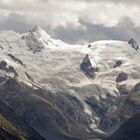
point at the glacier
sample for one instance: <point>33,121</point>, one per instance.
<point>50,68</point>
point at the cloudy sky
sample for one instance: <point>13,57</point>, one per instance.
<point>74,20</point>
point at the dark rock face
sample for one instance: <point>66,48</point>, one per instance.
<point>45,112</point>
<point>122,77</point>
<point>130,130</point>
<point>15,59</point>
<point>133,43</point>
<point>29,77</point>
<point>118,63</point>
<point>11,69</point>
<point>123,89</point>
<point>136,88</point>
<point>87,68</point>
<point>89,46</point>
<point>5,67</point>
<point>101,108</point>
<point>12,128</point>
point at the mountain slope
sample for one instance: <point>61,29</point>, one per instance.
<point>129,130</point>
<point>65,91</point>
<point>8,131</point>
<point>11,130</point>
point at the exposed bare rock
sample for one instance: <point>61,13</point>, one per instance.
<point>124,89</point>
<point>3,65</point>
<point>87,68</point>
<point>6,68</point>
<point>15,59</point>
<point>136,88</point>
<point>122,77</point>
<point>133,43</point>
<point>118,63</point>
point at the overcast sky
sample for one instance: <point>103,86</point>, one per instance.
<point>74,20</point>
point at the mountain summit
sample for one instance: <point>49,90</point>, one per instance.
<point>40,33</point>
<point>37,39</point>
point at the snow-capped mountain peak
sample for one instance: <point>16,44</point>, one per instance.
<point>36,29</point>
<point>37,39</point>
<point>40,33</point>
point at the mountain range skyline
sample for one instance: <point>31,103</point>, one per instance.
<point>75,21</point>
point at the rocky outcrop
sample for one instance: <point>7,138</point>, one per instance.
<point>124,89</point>
<point>133,43</point>
<point>118,63</point>
<point>89,46</point>
<point>122,77</point>
<point>15,59</point>
<point>29,77</point>
<point>4,66</point>
<point>12,70</point>
<point>87,68</point>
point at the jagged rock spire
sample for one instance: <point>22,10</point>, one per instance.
<point>133,43</point>
<point>87,68</point>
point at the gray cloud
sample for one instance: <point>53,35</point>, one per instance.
<point>16,23</point>
<point>55,13</point>
<point>123,31</point>
<point>74,20</point>
<point>115,1</point>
